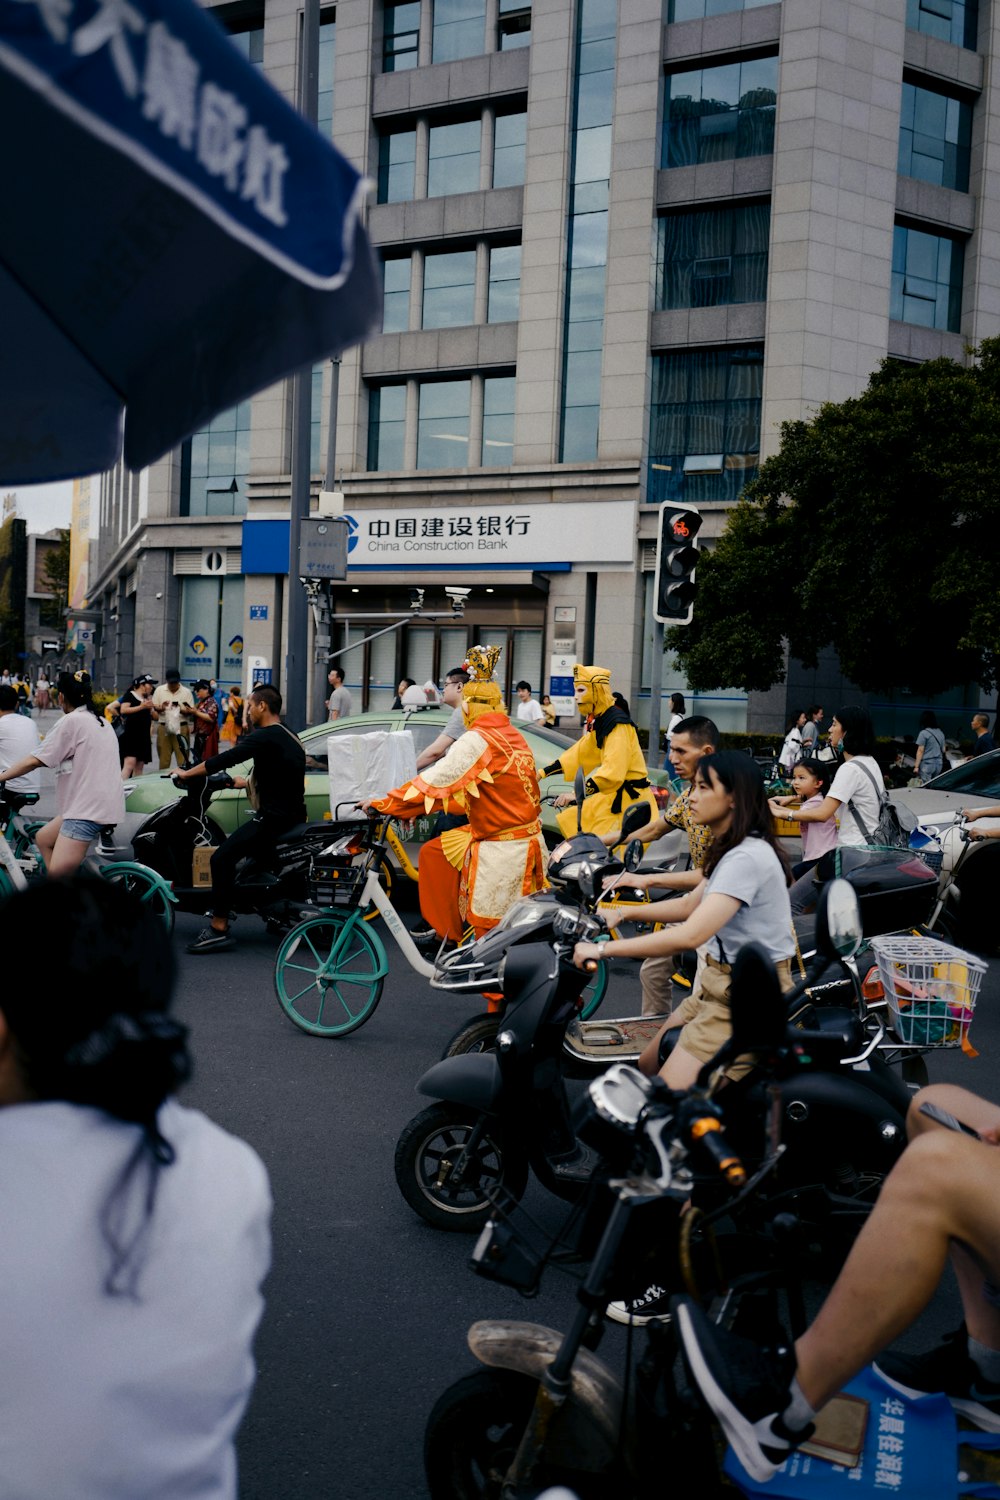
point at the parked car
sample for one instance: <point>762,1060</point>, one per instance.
<point>230,808</point>
<point>975,783</point>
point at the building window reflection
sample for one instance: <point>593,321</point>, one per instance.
<point>704,423</point>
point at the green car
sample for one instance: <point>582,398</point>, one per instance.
<point>147,794</point>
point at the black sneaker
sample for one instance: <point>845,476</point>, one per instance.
<point>652,1307</point>
<point>948,1369</point>
<point>746,1386</point>
<point>210,941</point>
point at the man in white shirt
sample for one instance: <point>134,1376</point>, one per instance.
<point>18,738</point>
<point>529,710</point>
<point>172,703</point>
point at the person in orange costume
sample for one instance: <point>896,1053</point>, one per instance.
<point>470,876</point>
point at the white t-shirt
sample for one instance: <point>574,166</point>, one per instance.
<point>18,738</point>
<point>89,782</point>
<point>852,785</point>
<point>110,1397</point>
<point>530,712</point>
<point>168,701</point>
<point>752,873</point>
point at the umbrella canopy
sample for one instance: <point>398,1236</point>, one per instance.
<point>175,237</point>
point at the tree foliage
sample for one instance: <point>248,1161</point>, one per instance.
<point>875,529</point>
<point>56,576</point>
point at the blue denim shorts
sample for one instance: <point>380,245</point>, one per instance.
<point>81,830</point>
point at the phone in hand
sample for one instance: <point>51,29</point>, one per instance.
<point>934,1112</point>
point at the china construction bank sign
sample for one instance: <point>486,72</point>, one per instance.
<point>575,532</point>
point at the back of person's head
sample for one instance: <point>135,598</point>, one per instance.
<point>928,719</point>
<point>699,730</point>
<point>269,697</point>
<point>76,689</point>
<point>102,1038</point>
<point>743,779</point>
<point>8,698</point>
<point>859,731</point>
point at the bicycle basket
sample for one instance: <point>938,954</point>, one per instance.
<point>931,989</point>
<point>334,877</point>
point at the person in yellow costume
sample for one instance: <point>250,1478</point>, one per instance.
<point>470,876</point>
<point>609,755</point>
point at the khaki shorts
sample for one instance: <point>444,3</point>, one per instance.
<point>705,1014</point>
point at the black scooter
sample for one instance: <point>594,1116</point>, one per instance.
<point>276,892</point>
<point>505,1112</point>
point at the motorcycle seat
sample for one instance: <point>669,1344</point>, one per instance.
<point>306,830</point>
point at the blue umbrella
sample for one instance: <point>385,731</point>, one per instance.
<point>175,236</point>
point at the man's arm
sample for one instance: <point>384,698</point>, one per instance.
<point>434,751</point>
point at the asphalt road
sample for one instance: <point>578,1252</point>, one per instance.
<point>367,1307</point>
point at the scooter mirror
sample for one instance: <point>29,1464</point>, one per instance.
<point>587,880</point>
<point>580,791</point>
<point>757,1010</point>
<point>633,855</point>
<point>636,817</point>
<point>838,920</point>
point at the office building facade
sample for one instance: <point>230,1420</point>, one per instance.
<point>623,243</point>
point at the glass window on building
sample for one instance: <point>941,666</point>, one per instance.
<point>514,25</point>
<point>505,284</point>
<point>396,294</point>
<point>386,427</point>
<point>509,136</point>
<point>498,420</point>
<point>459,29</point>
<point>327,65</point>
<point>716,114</point>
<point>453,158</point>
<point>250,43</point>
<point>926,279</point>
<point>214,466</point>
<point>954,21</point>
<point>397,153</point>
<point>712,257</point>
<point>400,36</point>
<point>704,423</point>
<point>449,289</point>
<point>211,630</point>
<point>694,10</point>
<point>443,424</point>
<point>935,137</point>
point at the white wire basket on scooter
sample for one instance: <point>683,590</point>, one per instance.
<point>931,989</point>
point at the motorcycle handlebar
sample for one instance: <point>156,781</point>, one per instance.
<point>707,1131</point>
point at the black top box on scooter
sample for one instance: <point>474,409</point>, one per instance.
<point>895,887</point>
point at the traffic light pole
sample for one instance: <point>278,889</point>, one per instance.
<point>655,695</point>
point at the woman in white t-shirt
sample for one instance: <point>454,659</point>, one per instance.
<point>89,784</point>
<point>854,798</point>
<point>742,899</point>
<point>133,1231</point>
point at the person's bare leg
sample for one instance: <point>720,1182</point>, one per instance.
<point>46,838</point>
<point>67,857</point>
<point>680,1071</point>
<point>128,767</point>
<point>943,1189</point>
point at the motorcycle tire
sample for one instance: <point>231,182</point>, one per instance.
<point>472,1435</point>
<point>317,967</point>
<point>422,1154</point>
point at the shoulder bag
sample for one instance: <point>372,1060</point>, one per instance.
<point>892,831</point>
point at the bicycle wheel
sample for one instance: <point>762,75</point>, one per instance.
<point>329,973</point>
<point>595,991</point>
<point>150,888</point>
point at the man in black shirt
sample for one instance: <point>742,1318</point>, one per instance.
<point>279,765</point>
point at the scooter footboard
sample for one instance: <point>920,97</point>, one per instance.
<point>585,1434</point>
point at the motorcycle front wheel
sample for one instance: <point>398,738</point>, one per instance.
<point>329,976</point>
<point>473,1433</point>
<point>427,1171</point>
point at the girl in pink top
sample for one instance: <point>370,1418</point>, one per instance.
<point>89,789</point>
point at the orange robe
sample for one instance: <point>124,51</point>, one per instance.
<point>489,774</point>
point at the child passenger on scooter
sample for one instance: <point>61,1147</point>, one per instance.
<point>811,780</point>
<point>743,899</point>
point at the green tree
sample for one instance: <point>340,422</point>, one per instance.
<point>875,529</point>
<point>55,570</point>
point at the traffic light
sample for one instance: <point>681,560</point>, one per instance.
<point>676,559</point>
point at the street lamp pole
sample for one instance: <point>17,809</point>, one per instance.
<point>296,675</point>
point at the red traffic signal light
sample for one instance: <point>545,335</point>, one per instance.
<point>676,560</point>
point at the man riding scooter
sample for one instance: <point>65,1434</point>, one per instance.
<point>277,791</point>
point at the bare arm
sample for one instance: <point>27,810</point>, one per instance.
<point>674,880</point>
<point>434,751</point>
<point>971,813</point>
<point>20,768</point>
<point>827,809</point>
<point>711,916</point>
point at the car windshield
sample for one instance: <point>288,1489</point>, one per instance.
<point>979,777</point>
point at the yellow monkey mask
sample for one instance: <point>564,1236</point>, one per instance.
<point>597,682</point>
